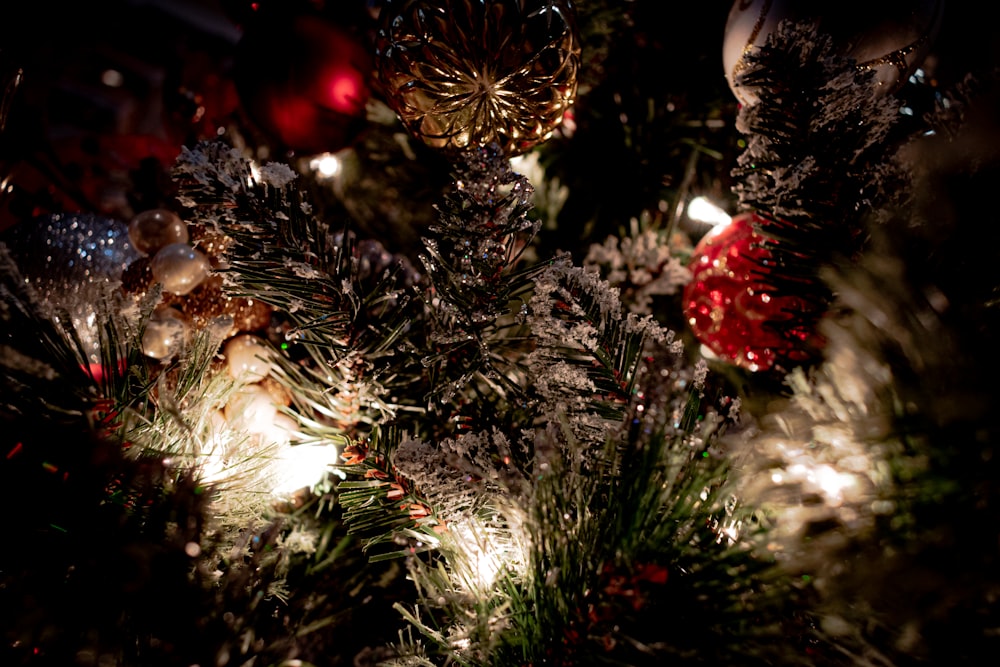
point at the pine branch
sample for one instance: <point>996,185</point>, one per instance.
<point>554,483</point>
<point>587,351</point>
<point>818,161</point>
<point>347,305</point>
<point>115,529</point>
<point>45,373</point>
<point>382,507</point>
<point>476,291</point>
<point>653,534</point>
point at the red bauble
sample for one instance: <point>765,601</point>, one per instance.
<point>730,308</point>
<point>304,80</point>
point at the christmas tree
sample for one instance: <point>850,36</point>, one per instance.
<point>498,332</point>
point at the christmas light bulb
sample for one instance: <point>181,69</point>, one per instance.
<point>302,466</point>
<point>252,409</point>
<point>703,210</point>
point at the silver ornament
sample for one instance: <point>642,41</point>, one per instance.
<point>74,262</point>
<point>890,38</point>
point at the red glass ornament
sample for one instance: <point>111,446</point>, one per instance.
<point>304,81</point>
<point>729,306</point>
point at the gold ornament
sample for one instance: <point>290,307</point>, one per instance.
<point>137,277</point>
<point>209,302</point>
<point>211,242</point>
<point>467,73</point>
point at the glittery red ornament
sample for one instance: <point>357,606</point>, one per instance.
<point>304,80</point>
<point>732,310</point>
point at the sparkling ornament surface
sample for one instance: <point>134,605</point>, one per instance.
<point>728,305</point>
<point>891,37</point>
<point>474,72</point>
<point>213,243</point>
<point>180,268</point>
<point>151,230</point>
<point>73,261</point>
<point>137,277</point>
<point>208,302</point>
<point>304,80</point>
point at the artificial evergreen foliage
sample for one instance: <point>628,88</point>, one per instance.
<point>519,452</point>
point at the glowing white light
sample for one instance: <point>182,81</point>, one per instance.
<point>702,210</point>
<point>481,553</point>
<point>301,466</point>
<point>218,435</point>
<point>486,552</point>
<point>327,165</point>
<point>112,78</point>
<point>254,176</point>
<point>252,408</point>
<point>730,532</point>
<point>831,483</point>
<point>519,162</point>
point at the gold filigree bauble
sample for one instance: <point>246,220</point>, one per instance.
<point>468,73</point>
